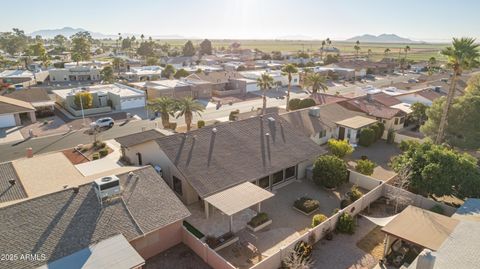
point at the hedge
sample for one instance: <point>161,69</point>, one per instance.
<point>365,167</point>
<point>367,137</point>
<point>329,171</point>
<point>346,224</point>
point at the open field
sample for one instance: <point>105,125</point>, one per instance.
<point>418,51</point>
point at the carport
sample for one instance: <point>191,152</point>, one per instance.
<point>236,199</point>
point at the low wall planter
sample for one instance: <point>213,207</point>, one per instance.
<point>226,244</point>
<point>259,227</point>
<point>304,213</point>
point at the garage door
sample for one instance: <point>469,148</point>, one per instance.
<point>7,120</point>
<point>133,103</point>
<point>252,87</point>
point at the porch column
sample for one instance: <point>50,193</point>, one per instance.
<point>18,121</point>
<point>231,223</point>
<point>259,207</point>
<point>32,116</point>
<point>206,209</point>
<point>353,136</point>
<point>386,246</point>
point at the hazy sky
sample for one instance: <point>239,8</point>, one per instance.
<point>428,20</point>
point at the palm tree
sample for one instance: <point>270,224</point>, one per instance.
<point>357,47</point>
<point>432,63</point>
<point>187,107</point>
<point>264,82</point>
<point>462,55</point>
<point>289,69</point>
<point>316,82</point>
<point>386,51</point>
<point>166,107</point>
<point>406,50</point>
<point>321,49</point>
<point>369,53</point>
<point>117,64</point>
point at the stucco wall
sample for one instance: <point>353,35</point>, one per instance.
<point>159,240</point>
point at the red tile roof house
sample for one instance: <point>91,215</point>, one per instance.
<point>81,227</point>
<point>377,106</point>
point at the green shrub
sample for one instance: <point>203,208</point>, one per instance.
<point>355,193</point>
<point>381,129</point>
<point>95,156</point>
<point>367,137</point>
<point>306,204</point>
<point>365,167</point>
<point>339,148</point>
<point>200,124</point>
<point>346,224</point>
<point>329,171</point>
<point>103,152</point>
<point>391,136</point>
<point>307,102</point>
<point>437,209</point>
<point>233,115</point>
<point>335,211</point>
<point>172,125</point>
<point>317,219</point>
<point>294,104</point>
<point>345,202</point>
<point>258,220</point>
<point>102,145</point>
<point>376,129</point>
<point>303,250</point>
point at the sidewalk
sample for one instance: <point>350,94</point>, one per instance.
<point>10,135</point>
<point>107,163</point>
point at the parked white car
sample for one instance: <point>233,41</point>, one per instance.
<point>102,122</point>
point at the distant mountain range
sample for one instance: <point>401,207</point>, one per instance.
<point>383,38</point>
<point>69,31</point>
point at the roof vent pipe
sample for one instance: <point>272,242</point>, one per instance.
<point>212,143</point>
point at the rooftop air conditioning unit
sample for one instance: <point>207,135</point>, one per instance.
<point>106,187</point>
<point>314,112</point>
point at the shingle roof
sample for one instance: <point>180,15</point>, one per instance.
<point>236,153</point>
<point>371,108</point>
<point>30,95</point>
<point>323,99</point>
<point>9,192</point>
<point>139,138</point>
<point>385,99</point>
<point>10,105</point>
<point>63,222</point>
<point>215,77</point>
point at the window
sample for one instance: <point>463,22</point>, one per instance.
<point>264,182</point>
<point>278,177</point>
<point>322,133</point>
<point>177,185</point>
<point>402,120</point>
<point>396,121</point>
<point>290,172</point>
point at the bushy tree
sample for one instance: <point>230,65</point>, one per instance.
<point>419,113</point>
<point>318,219</point>
<point>438,170</point>
<point>87,100</point>
<point>81,46</point>
<point>206,47</point>
<point>329,171</point>
<point>294,104</point>
<point>146,49</point>
<point>181,73</point>
<point>188,49</point>
<point>367,137</point>
<point>365,167</point>
<point>339,148</point>
<point>168,71</point>
<point>107,74</point>
<point>346,224</point>
<point>307,102</point>
<point>391,136</point>
<point>13,42</point>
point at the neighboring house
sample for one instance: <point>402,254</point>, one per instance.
<point>333,70</point>
<point>373,105</point>
<point>180,61</point>
<point>175,88</point>
<point>105,98</point>
<point>93,64</point>
<point>137,147</point>
<point>204,68</point>
<point>221,82</point>
<point>11,187</point>
<point>23,78</point>
<point>325,98</point>
<point>267,151</point>
<point>278,76</point>
<point>38,98</point>
<point>321,123</point>
<point>64,226</point>
<point>15,112</point>
<point>75,73</point>
<point>424,96</point>
<point>143,73</point>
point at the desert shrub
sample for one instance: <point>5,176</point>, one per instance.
<point>367,137</point>
<point>294,104</point>
<point>317,219</point>
<point>172,125</point>
<point>307,102</point>
<point>355,193</point>
<point>258,220</point>
<point>335,211</point>
<point>329,171</point>
<point>346,224</point>
<point>95,156</point>
<point>103,152</point>
<point>391,136</point>
<point>339,148</point>
<point>381,129</point>
<point>233,115</point>
<point>437,209</point>
<point>200,124</point>
<point>345,202</point>
<point>376,129</point>
<point>365,167</point>
<point>306,204</point>
<point>87,100</point>
<point>303,250</point>
<point>299,257</point>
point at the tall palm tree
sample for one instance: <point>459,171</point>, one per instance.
<point>406,50</point>
<point>316,82</point>
<point>369,53</point>
<point>322,48</point>
<point>264,82</point>
<point>289,69</point>
<point>187,107</point>
<point>432,64</point>
<point>357,48</point>
<point>166,107</point>
<point>117,64</point>
<point>386,51</point>
<point>462,55</point>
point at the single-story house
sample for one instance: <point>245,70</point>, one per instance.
<point>175,88</point>
<point>424,96</point>
<point>15,112</point>
<point>266,151</point>
<point>278,76</point>
<point>38,98</point>
<point>75,73</point>
<point>134,214</point>
<point>105,98</point>
<point>143,73</point>
<point>22,78</point>
<point>220,82</point>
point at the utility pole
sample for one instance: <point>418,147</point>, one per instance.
<point>83,114</point>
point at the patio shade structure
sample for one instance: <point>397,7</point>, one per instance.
<point>421,227</point>
<point>237,198</point>
<point>356,122</point>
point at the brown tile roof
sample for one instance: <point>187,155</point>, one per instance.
<point>10,105</point>
<point>139,138</point>
<point>9,192</point>
<point>30,95</point>
<point>371,108</point>
<point>215,77</point>
<point>239,152</point>
<point>323,98</point>
<point>429,94</point>
<point>61,223</point>
<point>385,99</point>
